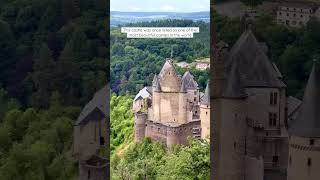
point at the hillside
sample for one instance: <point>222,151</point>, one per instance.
<point>135,61</point>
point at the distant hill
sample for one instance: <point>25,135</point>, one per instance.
<point>119,18</point>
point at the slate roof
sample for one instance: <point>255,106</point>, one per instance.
<point>143,93</point>
<point>252,65</point>
<point>98,104</point>
<point>307,123</point>
<point>206,97</point>
<point>233,86</point>
<point>188,81</point>
<point>156,83</point>
<point>293,105</point>
<point>166,67</point>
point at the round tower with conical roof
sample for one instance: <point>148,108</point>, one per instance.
<point>205,114</point>
<point>156,95</point>
<point>304,142</point>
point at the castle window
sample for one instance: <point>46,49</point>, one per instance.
<point>294,15</point>
<point>196,112</point>
<point>309,162</point>
<point>287,14</point>
<point>275,160</point>
<point>101,141</point>
<point>280,13</point>
<point>272,119</point>
<point>290,160</point>
<point>234,145</point>
<point>195,99</point>
<point>89,174</point>
<point>301,15</point>
<point>206,112</point>
<point>273,98</point>
<point>311,142</point>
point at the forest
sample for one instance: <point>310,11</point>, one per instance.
<point>135,61</point>
<point>52,60</point>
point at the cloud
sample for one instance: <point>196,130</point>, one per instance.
<point>167,7</point>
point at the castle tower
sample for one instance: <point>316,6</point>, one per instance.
<point>156,92</point>
<point>168,78</point>
<point>182,118</point>
<point>90,137</point>
<point>205,114</point>
<point>304,148</point>
<point>170,83</point>
<point>218,85</point>
<point>140,126</point>
<point>249,113</point>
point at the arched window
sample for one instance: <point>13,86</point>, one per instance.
<point>309,162</point>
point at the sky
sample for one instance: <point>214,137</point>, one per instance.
<point>160,5</point>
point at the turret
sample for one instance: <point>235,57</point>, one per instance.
<point>183,104</point>
<point>205,113</point>
<point>156,92</point>
<point>304,143</point>
<point>140,126</point>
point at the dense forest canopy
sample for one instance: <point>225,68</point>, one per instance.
<point>46,43</point>
<point>135,61</point>
<point>293,50</point>
<point>52,60</point>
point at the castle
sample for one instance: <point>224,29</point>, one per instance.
<point>90,136</point>
<point>172,109</point>
<point>258,132</point>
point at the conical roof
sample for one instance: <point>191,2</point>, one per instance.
<point>307,123</point>
<point>168,66</point>
<point>206,97</point>
<point>234,87</point>
<point>156,84</point>
<point>253,65</point>
<point>183,87</point>
<point>189,81</point>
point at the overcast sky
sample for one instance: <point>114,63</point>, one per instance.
<point>160,5</point>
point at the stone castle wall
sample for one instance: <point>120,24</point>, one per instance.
<point>304,158</point>
<point>171,135</point>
